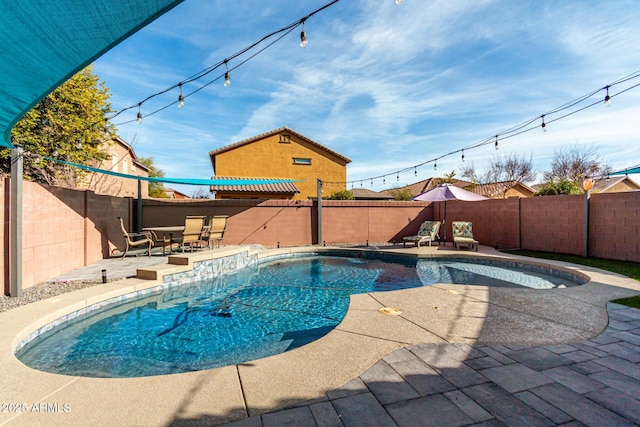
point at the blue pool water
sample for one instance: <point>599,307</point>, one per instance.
<point>251,314</point>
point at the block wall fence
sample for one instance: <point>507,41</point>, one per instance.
<point>67,229</point>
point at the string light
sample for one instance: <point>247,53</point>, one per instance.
<point>398,177</point>
<point>303,37</point>
<point>415,171</point>
<point>181,97</point>
<point>435,165</point>
<point>496,142</point>
<point>463,155</point>
<point>372,182</point>
<point>544,125</point>
<point>139,118</point>
<point>607,98</point>
<point>227,76</point>
<point>384,179</point>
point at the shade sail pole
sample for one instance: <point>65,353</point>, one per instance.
<point>139,208</point>
<point>15,230</point>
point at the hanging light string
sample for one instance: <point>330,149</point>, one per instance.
<point>521,128</point>
<point>225,62</point>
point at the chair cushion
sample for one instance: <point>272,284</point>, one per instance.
<point>464,240</point>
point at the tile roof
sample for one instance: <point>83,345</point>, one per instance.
<point>274,132</point>
<point>602,185</point>
<point>494,189</point>
<point>285,187</point>
<point>365,193</point>
<point>425,185</point>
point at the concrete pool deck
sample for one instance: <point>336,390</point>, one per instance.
<point>456,355</point>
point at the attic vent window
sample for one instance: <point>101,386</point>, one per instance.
<point>285,138</point>
<point>301,161</point>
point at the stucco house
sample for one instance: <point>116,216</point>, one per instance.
<point>281,153</point>
<point>123,159</point>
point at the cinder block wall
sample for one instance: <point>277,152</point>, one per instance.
<point>553,224</point>
<point>614,226</point>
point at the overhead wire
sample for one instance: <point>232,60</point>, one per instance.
<point>518,129</point>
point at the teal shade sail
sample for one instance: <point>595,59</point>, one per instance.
<point>45,42</point>
<point>631,170</point>
<point>185,181</point>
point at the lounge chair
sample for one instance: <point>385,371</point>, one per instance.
<point>428,233</point>
<point>192,234</point>
<point>463,235</point>
<point>215,230</point>
<point>136,239</point>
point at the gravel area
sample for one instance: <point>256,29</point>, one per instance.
<point>44,290</point>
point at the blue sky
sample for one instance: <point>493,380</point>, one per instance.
<point>389,86</point>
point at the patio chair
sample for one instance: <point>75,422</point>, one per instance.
<point>215,230</point>
<point>463,234</point>
<point>135,239</point>
<point>192,234</point>
<point>428,233</point>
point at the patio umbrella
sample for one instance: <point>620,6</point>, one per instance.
<point>445,192</point>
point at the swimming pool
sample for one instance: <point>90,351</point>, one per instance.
<point>253,313</point>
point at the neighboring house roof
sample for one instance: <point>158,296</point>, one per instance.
<point>607,185</point>
<point>498,189</point>
<point>366,194</point>
<point>235,145</point>
<point>425,185</point>
<point>285,187</point>
<point>175,194</point>
<point>129,148</point>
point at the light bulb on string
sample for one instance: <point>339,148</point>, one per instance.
<point>227,76</point>
<point>372,182</point>
<point>398,177</point>
<point>360,184</point>
<point>435,165</point>
<point>384,179</point>
<point>303,37</point>
<point>415,171</point>
<point>463,156</point>
<point>496,142</point>
<point>180,97</point>
<point>139,118</point>
<point>607,98</point>
<point>544,125</point>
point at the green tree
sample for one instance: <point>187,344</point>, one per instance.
<point>447,179</point>
<point>341,195</point>
<point>156,189</point>
<point>401,193</point>
<point>553,188</point>
<point>69,125</point>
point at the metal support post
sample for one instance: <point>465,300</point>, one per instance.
<point>15,230</point>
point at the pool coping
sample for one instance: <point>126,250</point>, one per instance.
<point>437,314</point>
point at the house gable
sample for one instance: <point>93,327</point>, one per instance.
<point>281,153</point>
